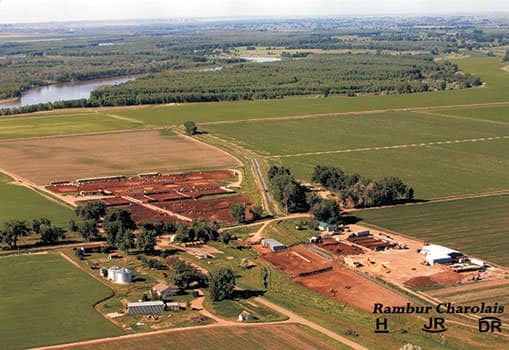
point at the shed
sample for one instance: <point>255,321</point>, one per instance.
<point>246,316</point>
<point>173,306</point>
<point>146,307</point>
<point>272,244</point>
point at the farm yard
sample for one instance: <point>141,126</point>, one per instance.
<point>50,300</point>
<point>478,226</point>
<point>127,153</point>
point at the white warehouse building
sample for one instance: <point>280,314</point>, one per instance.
<point>437,254</point>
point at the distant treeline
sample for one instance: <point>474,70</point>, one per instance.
<point>358,191</point>
<point>347,74</point>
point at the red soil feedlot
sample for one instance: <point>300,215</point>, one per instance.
<point>156,197</point>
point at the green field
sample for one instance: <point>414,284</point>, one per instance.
<point>60,124</point>
<point>477,226</point>
<point>285,337</point>
<point>289,137</point>
<point>46,300</point>
<point>19,202</point>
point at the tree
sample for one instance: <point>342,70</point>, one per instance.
<point>238,212</point>
<point>191,127</point>
<point>327,211</point>
<point>265,277</point>
<point>257,212</point>
<point>125,240</point>
<point>36,224</point>
<point>506,57</point>
<point>116,222</point>
<point>88,229</point>
<point>78,252</point>
<point>222,284</point>
<point>50,234</point>
<point>146,240</point>
<point>12,231</point>
<point>91,210</point>
<point>225,237</point>
<point>187,274</point>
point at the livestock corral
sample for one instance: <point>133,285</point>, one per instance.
<point>160,197</point>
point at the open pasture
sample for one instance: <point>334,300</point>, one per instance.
<point>19,202</point>
<point>269,337</point>
<point>477,226</point>
<point>127,153</point>
<point>47,301</point>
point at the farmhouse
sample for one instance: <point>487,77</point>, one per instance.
<point>323,226</point>
<point>146,307</point>
<point>437,254</point>
<point>163,290</point>
<point>272,244</point>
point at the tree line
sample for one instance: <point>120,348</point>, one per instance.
<point>358,191</point>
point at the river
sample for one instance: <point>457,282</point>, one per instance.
<point>61,92</point>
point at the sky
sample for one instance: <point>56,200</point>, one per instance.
<point>20,11</point>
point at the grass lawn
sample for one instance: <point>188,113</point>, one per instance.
<point>19,202</point>
<point>477,226</point>
<point>285,232</point>
<point>433,171</point>
<point>58,124</point>
<point>230,309</point>
<point>272,337</point>
<point>47,301</point>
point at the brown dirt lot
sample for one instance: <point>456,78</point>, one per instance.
<point>125,153</point>
<point>296,260</point>
<point>349,287</point>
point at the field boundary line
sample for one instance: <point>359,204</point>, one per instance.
<point>454,116</point>
<point>118,117</point>
<point>383,148</point>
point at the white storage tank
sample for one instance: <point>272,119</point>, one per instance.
<point>123,275</point>
<point>120,274</point>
